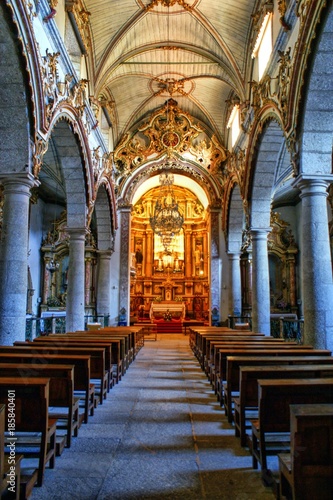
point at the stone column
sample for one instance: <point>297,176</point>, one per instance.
<point>14,257</point>
<point>124,278</point>
<point>103,282</point>
<point>260,282</point>
<point>215,259</point>
<point>235,284</point>
<point>316,261</point>
<point>75,309</point>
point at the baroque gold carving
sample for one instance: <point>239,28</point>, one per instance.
<point>283,81</point>
<point>39,149</point>
<point>169,130</point>
<point>282,8</point>
<point>169,3</point>
<point>81,16</point>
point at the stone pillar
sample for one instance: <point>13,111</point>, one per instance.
<point>316,261</point>
<point>235,284</point>
<point>260,282</point>
<point>14,257</point>
<point>75,309</point>
<point>125,259</point>
<point>103,282</point>
<point>215,259</point>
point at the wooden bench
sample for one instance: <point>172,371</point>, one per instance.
<point>212,368</point>
<point>34,429</point>
<point>67,341</point>
<point>113,350</point>
<point>271,430</point>
<point>82,384</point>
<point>230,387</point>
<point>61,392</point>
<point>10,464</point>
<point>149,331</point>
<point>307,471</point>
<point>124,355</point>
<point>247,401</point>
<point>97,360</point>
<point>261,352</point>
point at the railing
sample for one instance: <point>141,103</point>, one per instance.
<point>36,327</point>
<point>292,330</point>
<point>288,329</point>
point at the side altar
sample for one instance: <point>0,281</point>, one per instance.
<point>174,310</point>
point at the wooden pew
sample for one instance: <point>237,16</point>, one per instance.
<point>64,340</point>
<point>97,359</point>
<point>10,464</point>
<point>61,392</point>
<point>307,472</point>
<point>230,386</point>
<point>124,340</point>
<point>248,387</point>
<point>252,342</point>
<point>271,430</point>
<point>82,385</point>
<point>197,338</point>
<point>236,351</point>
<point>150,330</point>
<point>114,350</point>
<point>31,417</point>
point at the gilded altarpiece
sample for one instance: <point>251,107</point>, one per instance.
<point>177,275</point>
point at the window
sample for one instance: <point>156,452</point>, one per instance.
<point>233,124</point>
<point>264,45</point>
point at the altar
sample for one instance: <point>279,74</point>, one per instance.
<point>167,310</point>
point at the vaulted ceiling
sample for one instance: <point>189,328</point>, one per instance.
<point>145,52</point>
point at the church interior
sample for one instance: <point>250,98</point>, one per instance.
<point>165,177</point>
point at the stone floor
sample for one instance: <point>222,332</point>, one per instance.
<point>159,435</point>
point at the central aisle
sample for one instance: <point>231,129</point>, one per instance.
<point>159,435</point>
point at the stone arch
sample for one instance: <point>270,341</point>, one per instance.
<point>104,222</point>
<point>70,157</point>
<point>317,123</point>
<point>16,103</point>
<point>235,220</point>
<point>199,176</point>
<point>265,163</point>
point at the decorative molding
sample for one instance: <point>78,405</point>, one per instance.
<point>282,8</point>
<point>169,130</point>
<point>169,3</point>
<point>80,16</point>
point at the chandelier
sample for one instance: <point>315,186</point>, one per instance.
<point>167,219</point>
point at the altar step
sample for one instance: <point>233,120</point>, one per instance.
<point>169,327</point>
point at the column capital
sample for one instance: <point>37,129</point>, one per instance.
<point>105,254</point>
<point>234,255</point>
<point>310,185</point>
<point>258,233</point>
<point>18,180</point>
<point>77,233</point>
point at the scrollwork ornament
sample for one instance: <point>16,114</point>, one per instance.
<point>39,149</point>
<point>282,8</point>
<point>293,148</point>
<point>169,3</point>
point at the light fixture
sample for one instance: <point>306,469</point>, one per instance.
<point>167,219</point>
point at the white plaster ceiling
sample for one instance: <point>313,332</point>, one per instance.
<point>202,46</point>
